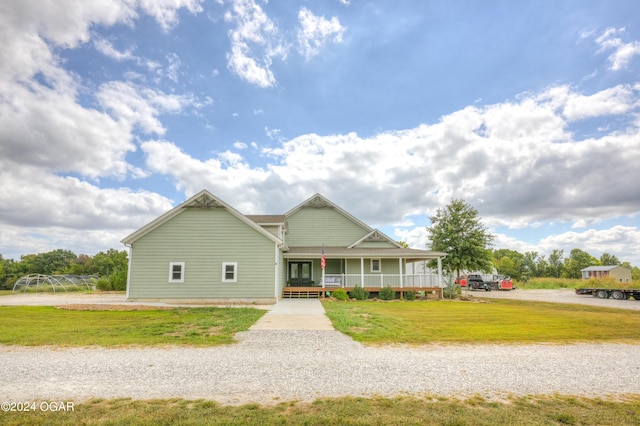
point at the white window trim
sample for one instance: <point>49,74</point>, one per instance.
<point>235,272</point>
<point>171,265</point>
<point>379,265</point>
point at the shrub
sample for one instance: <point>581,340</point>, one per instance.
<point>387,293</point>
<point>451,292</point>
<point>117,281</point>
<point>410,295</point>
<point>340,294</point>
<point>359,293</point>
<point>103,284</point>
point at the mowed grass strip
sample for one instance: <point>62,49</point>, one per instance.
<point>533,410</point>
<point>496,321</point>
<point>45,325</point>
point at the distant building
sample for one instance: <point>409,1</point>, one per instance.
<point>619,273</point>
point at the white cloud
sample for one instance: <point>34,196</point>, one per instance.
<point>619,240</point>
<point>165,12</point>
<point>254,43</point>
<point>316,31</point>
<point>40,126</point>
<point>272,134</point>
<point>173,67</point>
<point>59,201</point>
<point>515,162</point>
<point>416,237</point>
<point>106,48</point>
<point>613,101</point>
<point>623,53</point>
<point>227,173</point>
<point>140,106</point>
<point>256,40</point>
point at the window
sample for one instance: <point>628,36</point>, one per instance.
<point>229,272</point>
<point>375,265</point>
<point>176,272</point>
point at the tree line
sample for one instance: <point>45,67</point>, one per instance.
<point>110,266</point>
<point>531,264</point>
<point>456,229</point>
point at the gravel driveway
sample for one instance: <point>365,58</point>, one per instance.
<point>557,296</point>
<point>269,366</point>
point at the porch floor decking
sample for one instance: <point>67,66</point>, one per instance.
<point>320,292</point>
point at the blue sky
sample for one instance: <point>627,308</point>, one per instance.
<point>113,112</point>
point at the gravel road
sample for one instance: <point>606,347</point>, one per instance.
<point>271,366</point>
<point>268,366</point>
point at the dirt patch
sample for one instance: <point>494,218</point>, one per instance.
<point>105,307</point>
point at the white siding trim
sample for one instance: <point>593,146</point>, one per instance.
<point>182,268</point>
<point>224,272</point>
<point>275,272</point>
<point>129,263</point>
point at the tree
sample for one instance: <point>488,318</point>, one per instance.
<point>555,265</point>
<point>530,265</point>
<point>608,260</point>
<point>109,262</point>
<point>509,262</point>
<point>457,231</point>
<point>576,262</point>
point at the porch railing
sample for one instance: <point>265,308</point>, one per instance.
<point>381,280</point>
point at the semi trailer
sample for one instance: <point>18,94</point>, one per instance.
<point>610,293</point>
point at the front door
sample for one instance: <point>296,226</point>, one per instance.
<point>300,273</point>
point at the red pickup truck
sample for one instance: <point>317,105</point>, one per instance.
<point>475,282</point>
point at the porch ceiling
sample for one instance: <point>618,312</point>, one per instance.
<point>361,252</point>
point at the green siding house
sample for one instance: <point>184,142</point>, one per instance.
<point>206,250</point>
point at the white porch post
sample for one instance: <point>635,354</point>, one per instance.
<point>440,272</point>
<point>346,273</point>
<point>400,268</point>
<point>424,274</point>
<point>362,272</point>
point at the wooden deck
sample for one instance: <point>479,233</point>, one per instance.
<point>319,292</point>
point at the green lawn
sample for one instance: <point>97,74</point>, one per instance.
<point>495,321</point>
<point>45,325</point>
<point>534,410</point>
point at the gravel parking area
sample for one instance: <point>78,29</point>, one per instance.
<point>556,296</point>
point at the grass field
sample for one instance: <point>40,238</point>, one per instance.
<point>536,410</point>
<point>45,325</point>
<point>495,321</point>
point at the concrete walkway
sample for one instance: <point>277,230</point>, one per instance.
<point>294,314</point>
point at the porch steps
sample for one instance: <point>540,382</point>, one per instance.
<point>302,293</point>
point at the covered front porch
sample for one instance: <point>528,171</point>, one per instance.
<point>370,268</point>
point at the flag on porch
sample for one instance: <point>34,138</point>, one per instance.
<point>323,260</point>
